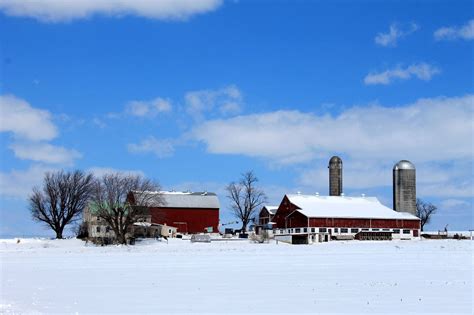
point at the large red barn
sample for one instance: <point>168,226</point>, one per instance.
<point>312,218</point>
<point>189,212</point>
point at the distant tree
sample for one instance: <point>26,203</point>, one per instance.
<point>111,201</point>
<point>424,211</point>
<point>61,200</point>
<point>245,198</point>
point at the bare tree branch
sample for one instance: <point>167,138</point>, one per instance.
<point>245,198</point>
<point>119,199</point>
<point>424,210</point>
<point>62,199</point>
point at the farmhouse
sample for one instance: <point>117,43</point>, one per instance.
<point>188,212</point>
<point>303,219</point>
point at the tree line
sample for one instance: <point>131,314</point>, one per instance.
<point>64,196</point>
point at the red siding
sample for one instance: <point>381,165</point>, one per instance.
<point>285,208</point>
<point>196,219</point>
<point>364,223</point>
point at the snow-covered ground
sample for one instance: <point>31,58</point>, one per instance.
<point>66,276</point>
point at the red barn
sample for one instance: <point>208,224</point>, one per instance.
<point>314,218</point>
<point>189,212</point>
<point>266,214</point>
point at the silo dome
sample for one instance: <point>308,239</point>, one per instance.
<point>404,165</point>
<point>335,160</point>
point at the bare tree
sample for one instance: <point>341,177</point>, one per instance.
<point>245,198</point>
<point>61,200</point>
<point>120,199</point>
<point>424,211</point>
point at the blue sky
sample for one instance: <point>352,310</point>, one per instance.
<point>193,93</point>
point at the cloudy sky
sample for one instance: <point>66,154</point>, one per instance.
<point>195,92</point>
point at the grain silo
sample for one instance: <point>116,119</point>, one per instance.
<point>335,176</point>
<point>404,187</point>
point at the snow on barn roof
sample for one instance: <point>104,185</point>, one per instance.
<point>345,207</point>
<point>271,209</point>
<point>182,199</point>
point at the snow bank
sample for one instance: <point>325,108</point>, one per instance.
<point>65,276</point>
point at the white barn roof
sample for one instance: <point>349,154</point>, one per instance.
<point>271,209</point>
<point>345,207</point>
<point>177,199</point>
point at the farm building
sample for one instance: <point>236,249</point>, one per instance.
<point>188,212</point>
<point>303,219</point>
<point>266,214</point>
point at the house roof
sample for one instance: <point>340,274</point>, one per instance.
<point>271,209</point>
<point>314,206</point>
<point>178,199</point>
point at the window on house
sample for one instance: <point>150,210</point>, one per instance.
<point>406,231</point>
<point>354,230</point>
<point>344,230</point>
<point>396,231</point>
<point>323,230</point>
<point>97,229</point>
<point>107,229</point>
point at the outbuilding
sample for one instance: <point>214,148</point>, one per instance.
<point>188,212</point>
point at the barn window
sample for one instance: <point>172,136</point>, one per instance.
<point>365,229</point>
<point>396,231</point>
<point>323,230</point>
<point>354,230</point>
<point>406,231</point>
<point>97,229</point>
<point>297,230</point>
<point>344,230</point>
<point>305,230</point>
<point>375,230</point>
<point>313,230</point>
<point>336,230</point>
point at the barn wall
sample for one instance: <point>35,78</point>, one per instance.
<point>297,219</point>
<point>197,219</point>
<point>364,223</point>
<point>285,208</point>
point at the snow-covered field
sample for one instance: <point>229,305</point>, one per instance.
<point>65,276</point>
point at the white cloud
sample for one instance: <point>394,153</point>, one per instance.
<point>148,109</point>
<point>160,147</point>
<point>45,152</point>
<point>422,71</point>
<point>101,171</point>
<point>453,32</point>
<point>31,127</point>
<point>454,204</point>
<point>24,121</point>
<point>62,11</point>
<point>416,131</point>
<point>19,183</point>
<point>396,32</point>
<point>227,101</point>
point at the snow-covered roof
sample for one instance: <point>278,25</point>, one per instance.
<point>271,209</point>
<point>179,199</point>
<point>315,206</point>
